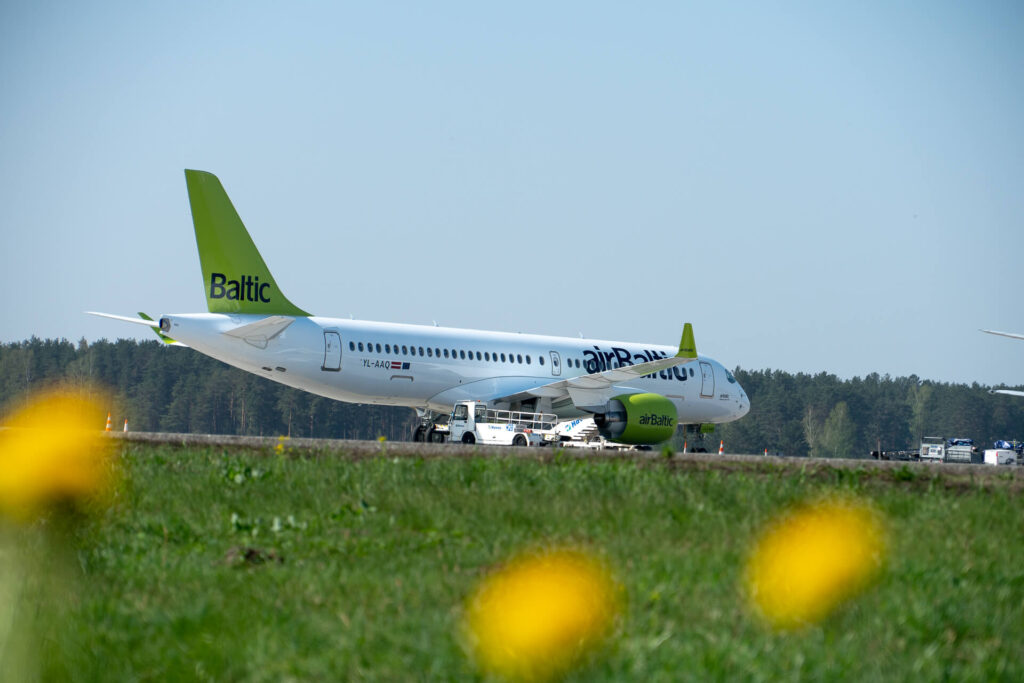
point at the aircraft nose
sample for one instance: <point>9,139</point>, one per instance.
<point>743,406</point>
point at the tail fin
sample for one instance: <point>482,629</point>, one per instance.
<point>235,276</point>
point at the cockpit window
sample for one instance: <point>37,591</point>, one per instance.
<point>728,376</point>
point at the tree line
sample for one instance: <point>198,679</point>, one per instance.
<point>157,388</point>
<point>165,389</point>
<point>824,416</point>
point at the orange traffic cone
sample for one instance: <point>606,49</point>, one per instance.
<point>125,425</point>
<point>108,422</point>
<point>684,447</point>
<point>766,451</point>
<point>721,447</point>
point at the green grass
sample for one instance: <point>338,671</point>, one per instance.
<point>376,556</point>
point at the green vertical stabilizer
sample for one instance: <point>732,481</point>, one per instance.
<point>235,277</point>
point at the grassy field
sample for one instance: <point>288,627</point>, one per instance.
<point>235,566</point>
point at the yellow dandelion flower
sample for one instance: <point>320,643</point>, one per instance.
<point>813,559</point>
<point>52,449</point>
<point>537,616</point>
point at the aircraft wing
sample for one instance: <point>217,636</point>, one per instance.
<point>1011,335</point>
<point>593,391</point>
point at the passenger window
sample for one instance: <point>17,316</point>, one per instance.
<point>527,359</point>
<point>541,360</point>
<point>351,346</point>
<point>462,354</point>
<point>519,358</point>
<point>430,352</point>
<point>387,348</point>
<point>446,353</point>
<point>479,356</point>
<point>502,358</point>
<point>396,349</point>
<point>421,350</point>
<point>360,346</point>
<point>405,350</point>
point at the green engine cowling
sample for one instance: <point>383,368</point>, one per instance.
<point>637,419</point>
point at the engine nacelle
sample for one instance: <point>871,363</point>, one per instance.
<point>637,419</point>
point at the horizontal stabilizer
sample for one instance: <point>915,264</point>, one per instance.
<point>124,318</point>
<point>144,320</point>
<point>1008,392</point>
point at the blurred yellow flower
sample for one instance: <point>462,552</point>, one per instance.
<point>537,616</point>
<point>52,449</point>
<point>812,559</point>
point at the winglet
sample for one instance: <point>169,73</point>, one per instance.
<point>687,346</point>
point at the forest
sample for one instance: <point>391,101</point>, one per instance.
<point>166,389</point>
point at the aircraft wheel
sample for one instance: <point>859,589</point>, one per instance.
<point>468,438</point>
<point>519,440</point>
<point>420,434</point>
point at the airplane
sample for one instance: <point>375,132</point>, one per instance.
<point>636,393</point>
<point>1011,335</point>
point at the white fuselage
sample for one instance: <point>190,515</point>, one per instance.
<point>431,368</point>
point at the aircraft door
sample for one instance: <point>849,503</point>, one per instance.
<point>332,352</point>
<point>707,380</point>
<point>556,364</point>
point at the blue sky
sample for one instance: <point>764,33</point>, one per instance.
<point>817,187</point>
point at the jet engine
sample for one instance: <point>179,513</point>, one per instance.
<point>637,419</point>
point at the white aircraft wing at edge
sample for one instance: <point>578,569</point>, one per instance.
<point>1011,335</point>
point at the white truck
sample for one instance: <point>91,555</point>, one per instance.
<point>939,449</point>
<point>473,422</point>
<point>933,448</point>
<point>1000,456</point>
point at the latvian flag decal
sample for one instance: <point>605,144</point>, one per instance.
<point>398,365</point>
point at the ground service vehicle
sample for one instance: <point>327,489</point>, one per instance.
<point>1000,456</point>
<point>473,422</point>
<point>938,449</point>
